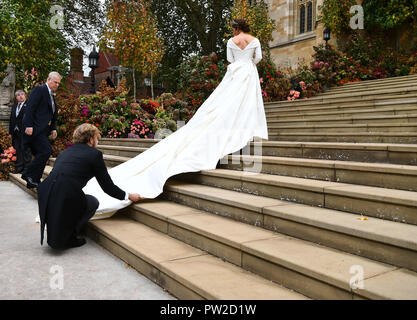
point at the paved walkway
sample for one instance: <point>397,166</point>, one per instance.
<point>32,271</point>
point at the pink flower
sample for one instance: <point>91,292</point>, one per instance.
<point>261,80</point>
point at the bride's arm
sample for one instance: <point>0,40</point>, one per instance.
<point>230,56</point>
<point>258,54</point>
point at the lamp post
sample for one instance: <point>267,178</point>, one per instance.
<point>93,64</point>
<point>326,35</point>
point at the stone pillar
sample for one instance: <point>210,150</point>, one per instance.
<point>7,89</point>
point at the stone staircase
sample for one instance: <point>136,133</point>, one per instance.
<point>336,198</point>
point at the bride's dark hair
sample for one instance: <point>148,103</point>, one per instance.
<point>241,24</point>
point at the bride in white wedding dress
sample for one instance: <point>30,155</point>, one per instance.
<point>225,123</point>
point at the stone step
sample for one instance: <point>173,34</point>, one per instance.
<point>382,240</point>
<point>183,270</point>
<point>349,119</point>
<point>129,142</point>
<point>364,152</point>
<point>379,91</point>
<point>272,255</point>
<point>342,112</point>
<point>360,127</point>
<point>166,261</point>
<point>359,152</point>
<point>376,82</point>
<point>342,101</point>
<point>375,105</point>
<point>390,204</point>
<point>371,87</point>
<point>384,203</point>
<point>357,137</point>
<point>391,176</point>
<point>382,175</point>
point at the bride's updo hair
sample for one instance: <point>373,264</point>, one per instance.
<point>241,24</point>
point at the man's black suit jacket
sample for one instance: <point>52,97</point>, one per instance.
<point>39,114</point>
<point>60,197</point>
<point>17,121</point>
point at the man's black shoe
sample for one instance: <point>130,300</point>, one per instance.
<point>30,184</point>
<point>18,170</point>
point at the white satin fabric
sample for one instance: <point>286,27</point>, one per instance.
<point>224,123</point>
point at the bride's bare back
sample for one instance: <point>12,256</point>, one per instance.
<point>242,40</point>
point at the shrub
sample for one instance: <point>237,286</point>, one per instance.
<point>67,121</point>
<point>7,155</point>
<point>199,76</point>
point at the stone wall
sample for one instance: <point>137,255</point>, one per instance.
<point>7,89</point>
<point>289,48</point>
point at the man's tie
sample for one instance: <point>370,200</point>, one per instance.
<point>19,106</point>
<point>53,102</point>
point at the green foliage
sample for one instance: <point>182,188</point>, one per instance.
<point>27,39</point>
<point>131,31</point>
<point>288,84</point>
<point>362,62</point>
<point>335,14</point>
<point>116,114</point>
<point>68,116</point>
<point>191,27</point>
<point>389,14</point>
<point>198,77</point>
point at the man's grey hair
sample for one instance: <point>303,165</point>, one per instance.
<point>54,74</point>
<point>18,92</point>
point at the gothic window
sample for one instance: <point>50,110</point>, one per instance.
<point>305,15</point>
<point>309,16</point>
<point>302,18</point>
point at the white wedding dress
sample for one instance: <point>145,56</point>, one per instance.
<point>224,123</point>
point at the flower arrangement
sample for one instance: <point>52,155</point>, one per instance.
<point>149,105</point>
<point>8,157</point>
<point>114,133</point>
<point>138,129</point>
<point>294,95</point>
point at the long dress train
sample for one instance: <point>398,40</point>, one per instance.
<point>230,117</point>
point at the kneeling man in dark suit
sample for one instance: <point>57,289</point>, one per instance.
<point>63,206</point>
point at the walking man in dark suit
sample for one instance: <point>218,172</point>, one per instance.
<point>16,129</point>
<point>39,122</point>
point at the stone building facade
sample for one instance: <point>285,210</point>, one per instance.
<point>298,30</point>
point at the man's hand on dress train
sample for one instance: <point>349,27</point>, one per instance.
<point>134,197</point>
